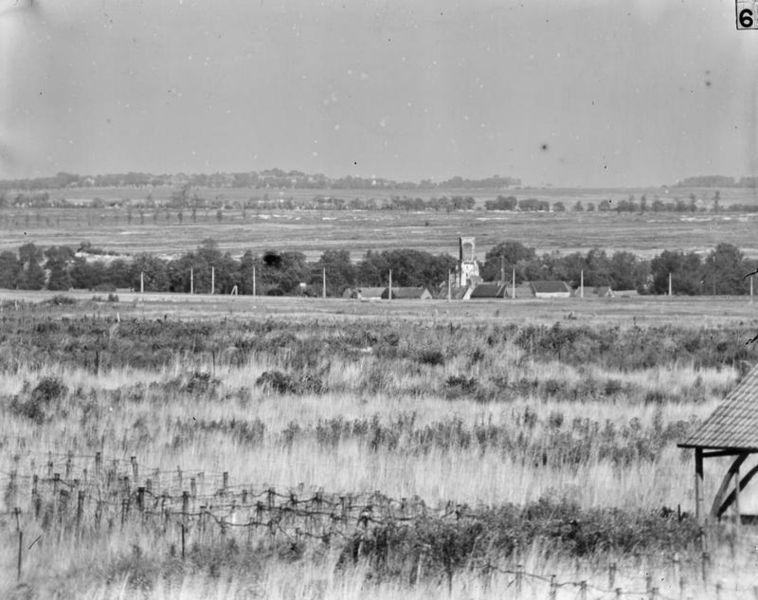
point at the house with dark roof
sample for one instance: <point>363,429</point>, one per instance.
<point>408,293</point>
<point>730,431</point>
<point>365,293</point>
<point>551,289</point>
<point>486,291</point>
<point>523,290</point>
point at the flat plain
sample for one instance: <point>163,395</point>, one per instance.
<point>172,446</point>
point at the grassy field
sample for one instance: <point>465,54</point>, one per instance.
<point>313,232</point>
<point>552,423</point>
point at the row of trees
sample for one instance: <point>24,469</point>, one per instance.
<point>62,267</point>
<point>269,178</point>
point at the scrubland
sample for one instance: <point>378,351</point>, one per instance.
<point>550,445</point>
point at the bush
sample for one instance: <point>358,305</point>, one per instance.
<point>41,401</point>
<point>431,357</point>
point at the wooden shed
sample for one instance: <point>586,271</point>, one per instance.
<point>730,431</point>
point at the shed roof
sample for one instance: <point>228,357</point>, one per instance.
<point>488,290</point>
<point>407,293</point>
<point>371,292</point>
<point>734,423</point>
<point>550,287</point>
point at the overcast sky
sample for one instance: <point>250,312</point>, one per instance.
<point>566,93</point>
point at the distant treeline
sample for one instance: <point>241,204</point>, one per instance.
<point>185,204</point>
<point>721,271</point>
<point>270,178</point>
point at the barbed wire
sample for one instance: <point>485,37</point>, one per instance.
<point>297,514</point>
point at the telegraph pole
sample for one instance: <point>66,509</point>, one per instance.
<point>389,295</point>
<point>323,282</point>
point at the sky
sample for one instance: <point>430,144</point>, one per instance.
<point>570,93</point>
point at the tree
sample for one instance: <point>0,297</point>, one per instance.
<point>340,271</point>
<point>685,270</point>
<point>32,276</point>
<point>724,270</point>
<point>9,269</point>
<point>59,261</point>
<point>514,255</point>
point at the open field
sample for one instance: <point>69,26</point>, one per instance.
<point>313,232</point>
<point>551,425</point>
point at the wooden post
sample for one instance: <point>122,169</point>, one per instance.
<point>583,590</point>
<point>449,285</point>
<point>56,486</point>
<point>17,512</point>
<point>519,579</point>
<point>751,289</point>
<point>213,280</point>
<point>699,486</point>
<point>677,563</point>
<point>141,499</point>
<point>670,288</point>
<point>323,282</point>
<point>141,282</point>
<point>253,280</point>
<point>705,566</point>
<point>193,487</point>
<point>611,575</point>
<point>513,284</point>
<point>581,284</point>
<point>79,509</point>
<point>135,469</point>
<point>389,289</point>
<point>179,476</point>
<point>736,477</point>
<point>225,481</point>
<point>553,588</point>
<point>502,270</point>
<point>69,464</point>
<point>192,280</point>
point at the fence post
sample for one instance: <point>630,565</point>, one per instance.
<point>193,488</point>
<point>718,590</point>
<point>98,464</point>
<point>17,512</point>
<point>676,563</point>
<point>79,509</point>
<point>69,461</point>
<point>519,579</point>
<point>706,560</point>
<point>141,499</point>
<point>135,469</point>
<point>56,482</point>
<point>35,493</point>
<point>224,481</point>
<point>611,575</point>
<point>648,583</point>
<point>12,495</point>
<point>619,593</point>
<point>179,476</point>
<point>553,588</point>
<point>583,590</point>
<point>654,593</point>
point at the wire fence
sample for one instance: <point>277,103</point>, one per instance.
<point>84,494</point>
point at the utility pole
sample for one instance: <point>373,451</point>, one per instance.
<point>670,294</point>
<point>751,289</point>
<point>141,282</point>
<point>513,284</point>
<point>581,284</point>
<point>502,270</point>
<point>213,280</point>
<point>253,280</point>
<point>323,282</point>
<point>389,290</point>
<point>192,280</point>
<point>450,285</point>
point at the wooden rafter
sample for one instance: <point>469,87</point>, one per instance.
<point>716,509</point>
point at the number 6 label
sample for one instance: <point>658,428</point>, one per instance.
<point>747,14</point>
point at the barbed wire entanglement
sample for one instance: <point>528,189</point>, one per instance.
<point>81,495</point>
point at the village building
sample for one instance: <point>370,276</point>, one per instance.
<point>485,291</point>
<point>730,431</point>
<point>408,293</point>
<point>551,289</point>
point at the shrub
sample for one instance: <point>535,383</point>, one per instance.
<point>37,407</point>
<point>430,356</point>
